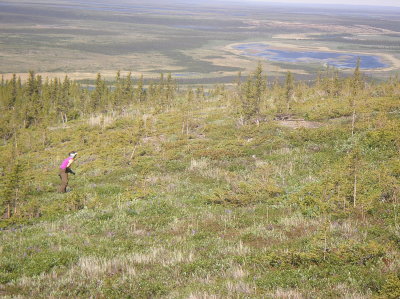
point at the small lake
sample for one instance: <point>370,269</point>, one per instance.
<point>336,59</point>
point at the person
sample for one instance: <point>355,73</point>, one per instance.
<point>64,170</point>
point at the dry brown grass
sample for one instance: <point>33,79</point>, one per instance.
<point>203,295</point>
<point>297,124</point>
<point>287,294</point>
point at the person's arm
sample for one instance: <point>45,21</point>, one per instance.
<point>70,162</point>
<point>69,170</point>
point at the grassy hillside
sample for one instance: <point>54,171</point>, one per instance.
<point>196,200</point>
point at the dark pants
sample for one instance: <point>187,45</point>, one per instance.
<point>64,181</point>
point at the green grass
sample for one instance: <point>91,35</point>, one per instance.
<point>226,210</point>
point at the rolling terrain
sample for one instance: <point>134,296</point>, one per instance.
<point>190,40</point>
<point>204,170</point>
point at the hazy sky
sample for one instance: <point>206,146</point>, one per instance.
<point>355,2</point>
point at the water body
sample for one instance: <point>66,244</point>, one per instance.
<point>336,59</point>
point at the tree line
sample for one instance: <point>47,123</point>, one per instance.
<point>41,102</point>
<point>257,96</point>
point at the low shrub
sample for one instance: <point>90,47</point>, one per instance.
<point>244,193</point>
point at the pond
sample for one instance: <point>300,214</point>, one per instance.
<point>336,59</point>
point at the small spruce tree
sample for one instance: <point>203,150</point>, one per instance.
<point>289,90</point>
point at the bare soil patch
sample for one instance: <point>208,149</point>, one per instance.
<point>296,123</point>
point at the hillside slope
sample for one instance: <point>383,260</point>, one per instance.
<point>192,202</point>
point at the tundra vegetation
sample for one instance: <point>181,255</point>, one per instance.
<point>257,189</point>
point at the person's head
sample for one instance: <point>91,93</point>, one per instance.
<point>73,154</point>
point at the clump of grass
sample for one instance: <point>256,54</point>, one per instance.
<point>244,193</point>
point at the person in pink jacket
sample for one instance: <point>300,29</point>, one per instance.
<point>64,170</point>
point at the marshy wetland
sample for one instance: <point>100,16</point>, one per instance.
<point>192,40</point>
<point>341,60</point>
